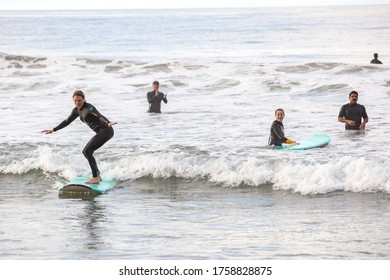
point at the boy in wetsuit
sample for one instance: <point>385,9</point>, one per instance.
<point>97,122</point>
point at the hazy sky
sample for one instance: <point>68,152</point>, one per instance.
<point>146,4</point>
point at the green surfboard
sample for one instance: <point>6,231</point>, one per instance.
<point>314,141</point>
<point>78,186</point>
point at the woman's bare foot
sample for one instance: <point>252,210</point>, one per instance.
<point>94,180</point>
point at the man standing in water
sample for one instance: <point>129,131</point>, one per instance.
<point>155,97</point>
<point>376,60</point>
<point>352,114</point>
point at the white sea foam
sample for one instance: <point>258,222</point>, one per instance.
<point>345,174</point>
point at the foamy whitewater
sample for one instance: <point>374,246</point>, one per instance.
<point>188,175</point>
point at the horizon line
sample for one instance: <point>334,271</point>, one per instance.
<point>191,8</point>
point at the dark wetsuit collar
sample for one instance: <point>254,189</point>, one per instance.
<point>84,105</point>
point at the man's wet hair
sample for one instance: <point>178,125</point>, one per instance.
<point>353,92</point>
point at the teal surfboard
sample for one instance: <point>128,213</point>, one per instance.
<point>314,141</point>
<point>78,185</point>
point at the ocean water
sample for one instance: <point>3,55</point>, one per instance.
<point>197,181</point>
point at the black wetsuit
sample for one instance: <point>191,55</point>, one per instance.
<point>155,101</point>
<point>376,61</point>
<point>354,113</point>
<point>276,136</point>
<point>98,123</point>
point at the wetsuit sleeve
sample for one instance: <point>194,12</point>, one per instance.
<point>343,112</point>
<point>164,98</point>
<point>364,113</point>
<point>96,113</point>
<point>73,115</point>
<point>150,96</point>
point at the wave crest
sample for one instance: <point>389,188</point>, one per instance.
<point>344,174</point>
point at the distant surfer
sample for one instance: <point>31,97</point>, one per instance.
<point>97,122</point>
<point>155,97</point>
<point>352,113</point>
<point>277,137</point>
<point>376,60</point>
